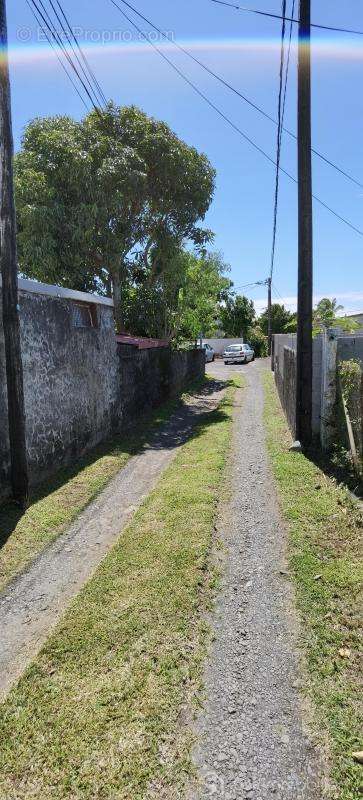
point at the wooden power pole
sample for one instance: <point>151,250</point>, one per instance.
<point>8,261</point>
<point>269,314</point>
<point>304,356</point>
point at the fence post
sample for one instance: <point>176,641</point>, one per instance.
<point>328,387</point>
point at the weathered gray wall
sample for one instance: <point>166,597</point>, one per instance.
<point>148,377</point>
<point>285,379</point>
<point>288,340</point>
<point>79,388</point>
<point>347,346</point>
<point>350,347</point>
<point>70,382</point>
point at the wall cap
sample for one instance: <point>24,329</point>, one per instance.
<point>35,287</point>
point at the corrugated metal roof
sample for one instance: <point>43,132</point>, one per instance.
<point>141,342</point>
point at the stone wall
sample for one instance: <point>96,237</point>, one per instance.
<point>79,386</point>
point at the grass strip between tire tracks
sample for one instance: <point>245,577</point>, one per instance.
<point>56,503</point>
<point>325,536</point>
<point>103,710</point>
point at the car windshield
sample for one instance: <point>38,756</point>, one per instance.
<point>233,347</point>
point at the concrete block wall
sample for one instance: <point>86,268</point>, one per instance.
<point>328,350</point>
<point>219,345</point>
<point>288,340</point>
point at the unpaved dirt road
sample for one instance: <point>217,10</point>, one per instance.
<point>253,738</point>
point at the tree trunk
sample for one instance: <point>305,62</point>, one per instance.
<point>117,300</point>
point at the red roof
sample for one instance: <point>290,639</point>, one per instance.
<point>141,342</point>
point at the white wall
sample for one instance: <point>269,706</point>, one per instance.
<point>219,345</point>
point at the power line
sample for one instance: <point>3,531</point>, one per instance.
<point>281,99</point>
<point>278,294</point>
<point>249,285</point>
<point>57,38</point>
<point>82,55</point>
<point>226,119</point>
<point>287,69</point>
<point>98,97</point>
<point>233,89</point>
<point>54,47</point>
<point>288,19</point>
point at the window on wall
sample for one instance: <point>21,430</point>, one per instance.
<point>84,315</point>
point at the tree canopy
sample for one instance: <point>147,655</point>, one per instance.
<point>326,312</point>
<point>105,204</point>
<point>237,316</point>
<point>280,319</point>
<point>183,301</point>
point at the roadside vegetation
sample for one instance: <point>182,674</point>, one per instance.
<point>103,710</point>
<point>56,503</point>
<point>325,551</point>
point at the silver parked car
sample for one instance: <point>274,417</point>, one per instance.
<point>238,354</point>
<point>209,352</point>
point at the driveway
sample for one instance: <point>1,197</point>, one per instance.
<point>254,737</point>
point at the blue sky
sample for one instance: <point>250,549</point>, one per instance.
<point>244,49</point>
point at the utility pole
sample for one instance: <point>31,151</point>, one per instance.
<point>269,313</point>
<point>8,261</point>
<point>304,356</point>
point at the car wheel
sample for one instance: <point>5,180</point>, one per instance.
<point>213,357</point>
<point>226,363</point>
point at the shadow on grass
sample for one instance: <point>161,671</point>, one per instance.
<point>337,465</point>
<point>166,427</point>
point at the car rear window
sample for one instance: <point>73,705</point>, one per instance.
<point>234,347</point>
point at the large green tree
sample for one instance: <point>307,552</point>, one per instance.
<point>102,203</point>
<point>237,316</point>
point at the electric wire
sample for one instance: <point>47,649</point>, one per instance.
<point>288,19</point>
<point>45,17</point>
<point>277,292</point>
<point>248,285</point>
<point>92,84</point>
<point>287,69</point>
<point>239,94</point>
<point>82,55</point>
<point>54,47</point>
<point>228,120</point>
<point>281,99</point>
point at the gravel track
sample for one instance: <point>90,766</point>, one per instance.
<point>253,738</point>
<point>33,603</point>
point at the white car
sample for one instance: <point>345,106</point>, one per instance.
<point>209,352</point>
<point>238,354</point>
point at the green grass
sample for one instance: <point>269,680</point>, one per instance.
<point>325,530</point>
<point>58,502</point>
<point>103,711</point>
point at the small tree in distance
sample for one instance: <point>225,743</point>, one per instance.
<point>237,315</point>
<point>280,319</point>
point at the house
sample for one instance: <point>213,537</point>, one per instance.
<point>356,318</point>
